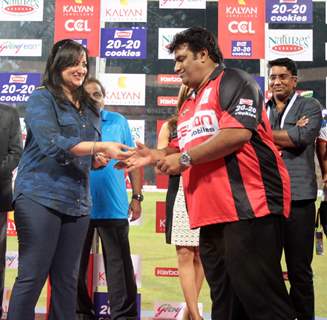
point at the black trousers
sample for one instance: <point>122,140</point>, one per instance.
<point>298,248</point>
<point>119,270</point>
<point>241,262</point>
<point>50,243</point>
<point>3,245</point>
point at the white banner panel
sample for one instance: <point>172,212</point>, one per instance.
<point>20,47</point>
<point>124,89</point>
<point>124,10</point>
<point>13,10</point>
<point>137,129</point>
<point>182,4</point>
<point>295,44</point>
<point>11,259</point>
<point>165,37</point>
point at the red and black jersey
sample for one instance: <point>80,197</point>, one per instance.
<point>251,182</point>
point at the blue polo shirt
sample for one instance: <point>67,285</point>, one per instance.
<point>108,187</point>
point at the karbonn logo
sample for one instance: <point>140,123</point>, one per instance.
<point>77,25</point>
<point>240,27</point>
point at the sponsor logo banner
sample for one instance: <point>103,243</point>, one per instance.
<point>167,101</point>
<point>20,47</point>
<point>99,275</point>
<point>122,43</point>
<point>124,10</point>
<point>165,272</point>
<point>11,259</point>
<point>11,227</point>
<point>16,88</point>
<point>204,123</point>
<point>79,20</point>
<point>21,10</point>
<point>241,28</point>
<point>167,79</point>
<point>165,37</point>
<point>124,89</point>
<point>160,216</point>
<point>102,306</point>
<point>172,310</point>
<point>137,128</point>
<point>182,4</point>
<point>296,44</point>
<point>296,11</point>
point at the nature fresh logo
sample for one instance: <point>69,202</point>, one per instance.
<point>18,7</point>
<point>292,44</point>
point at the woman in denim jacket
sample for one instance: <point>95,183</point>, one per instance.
<point>52,196</point>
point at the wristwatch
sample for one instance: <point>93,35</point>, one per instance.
<point>138,197</point>
<point>185,159</point>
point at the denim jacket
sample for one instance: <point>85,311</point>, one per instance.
<point>48,172</point>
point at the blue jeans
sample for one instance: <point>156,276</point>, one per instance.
<point>50,243</point>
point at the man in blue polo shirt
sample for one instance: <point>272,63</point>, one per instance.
<point>110,213</point>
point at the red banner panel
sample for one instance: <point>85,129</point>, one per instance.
<point>160,216</point>
<point>241,28</point>
<point>161,180</point>
<point>79,20</point>
<point>11,227</point>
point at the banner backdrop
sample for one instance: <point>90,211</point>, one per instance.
<point>123,43</point>
<point>124,10</point>
<point>79,20</point>
<point>283,11</point>
<point>123,89</point>
<point>293,43</point>
<point>16,88</point>
<point>13,10</point>
<point>241,29</point>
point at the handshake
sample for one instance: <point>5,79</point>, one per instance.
<point>166,162</point>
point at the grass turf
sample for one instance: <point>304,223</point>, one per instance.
<point>155,253</point>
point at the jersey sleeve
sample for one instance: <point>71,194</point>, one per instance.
<point>240,100</point>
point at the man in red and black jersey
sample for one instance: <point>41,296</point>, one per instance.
<point>236,185</point>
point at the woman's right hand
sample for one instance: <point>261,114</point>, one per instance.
<point>117,150</point>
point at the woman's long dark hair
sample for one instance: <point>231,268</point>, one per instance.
<point>65,53</point>
<point>183,93</point>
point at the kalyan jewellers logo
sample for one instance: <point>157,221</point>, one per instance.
<point>289,44</point>
<point>19,6</point>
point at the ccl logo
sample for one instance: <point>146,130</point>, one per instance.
<point>77,25</point>
<point>243,27</point>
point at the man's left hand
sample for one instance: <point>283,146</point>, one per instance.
<point>134,210</point>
